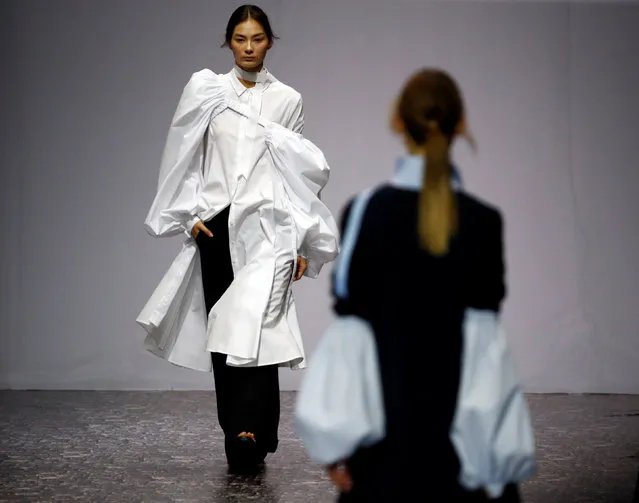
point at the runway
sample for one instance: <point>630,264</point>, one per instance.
<point>94,446</point>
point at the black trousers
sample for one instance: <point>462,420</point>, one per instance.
<point>248,398</point>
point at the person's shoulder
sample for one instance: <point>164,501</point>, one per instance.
<point>366,200</point>
<point>386,193</point>
<point>285,90</point>
<point>380,194</point>
<point>204,75</point>
<point>206,82</point>
<point>482,209</point>
<point>205,90</point>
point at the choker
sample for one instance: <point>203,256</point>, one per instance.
<point>247,76</point>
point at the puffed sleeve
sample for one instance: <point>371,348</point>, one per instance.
<point>340,406</point>
<point>304,172</point>
<point>492,431</point>
<point>174,207</point>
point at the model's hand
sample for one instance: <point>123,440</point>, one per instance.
<point>200,227</point>
<point>340,477</point>
<point>302,264</point>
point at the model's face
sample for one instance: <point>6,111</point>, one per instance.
<point>249,45</point>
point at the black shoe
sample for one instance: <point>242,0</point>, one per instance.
<point>244,455</point>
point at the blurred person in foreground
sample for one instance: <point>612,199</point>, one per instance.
<point>411,394</point>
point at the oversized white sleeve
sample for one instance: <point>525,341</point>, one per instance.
<point>304,173</point>
<point>175,205</point>
<point>339,405</point>
<point>492,430</point>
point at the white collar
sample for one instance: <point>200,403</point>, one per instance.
<point>409,173</point>
<point>249,76</point>
<point>263,78</point>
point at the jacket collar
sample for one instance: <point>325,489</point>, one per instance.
<point>409,173</point>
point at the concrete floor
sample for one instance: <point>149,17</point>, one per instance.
<point>83,446</point>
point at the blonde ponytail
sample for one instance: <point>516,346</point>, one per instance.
<point>437,217</point>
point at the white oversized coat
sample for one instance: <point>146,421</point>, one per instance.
<point>273,188</point>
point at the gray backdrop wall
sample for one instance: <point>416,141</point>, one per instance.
<point>89,88</point>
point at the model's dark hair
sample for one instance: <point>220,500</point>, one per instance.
<point>244,13</point>
<point>431,108</point>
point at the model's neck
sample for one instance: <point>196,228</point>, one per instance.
<point>413,148</point>
<point>250,77</point>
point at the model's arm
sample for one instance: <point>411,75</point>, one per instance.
<point>174,208</point>
<point>175,204</point>
<point>492,430</point>
<point>354,280</point>
<point>339,406</point>
<point>304,172</point>
<point>490,279</point>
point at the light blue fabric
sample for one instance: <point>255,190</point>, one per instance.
<point>340,403</point>
<point>351,233</point>
<point>409,174</point>
<point>492,430</point>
